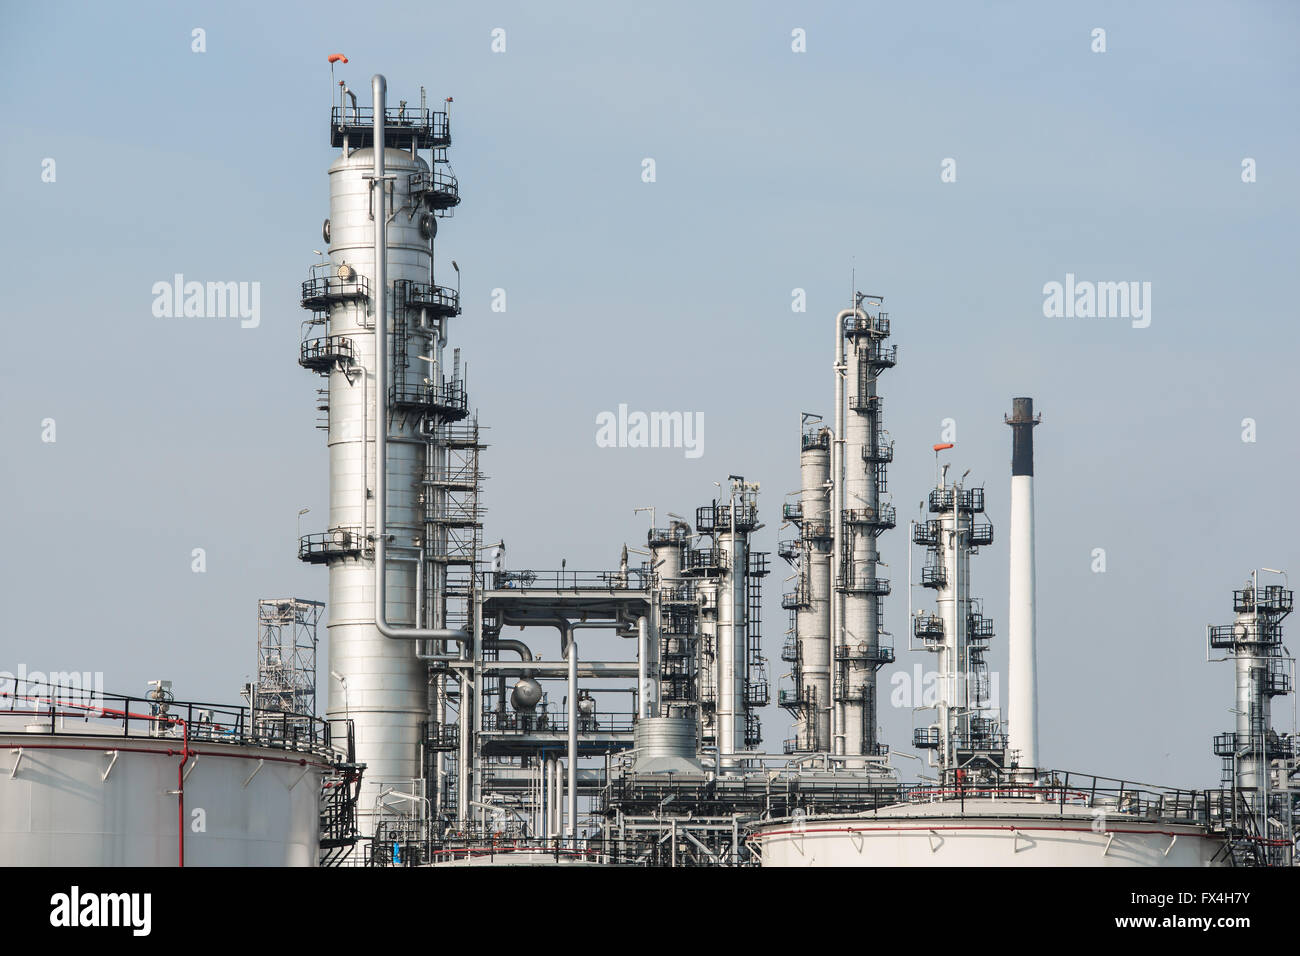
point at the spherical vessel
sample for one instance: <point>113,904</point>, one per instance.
<point>527,693</point>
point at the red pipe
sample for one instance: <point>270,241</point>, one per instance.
<point>180,796</point>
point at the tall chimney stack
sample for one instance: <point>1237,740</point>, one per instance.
<point>1022,702</point>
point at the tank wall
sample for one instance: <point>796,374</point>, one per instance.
<point>58,810</point>
<point>1038,843</point>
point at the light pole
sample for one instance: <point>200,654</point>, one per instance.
<point>343,681</point>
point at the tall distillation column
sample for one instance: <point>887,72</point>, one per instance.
<point>1262,671</point>
<point>678,612</point>
<point>1022,692</point>
<point>378,682</point>
<point>810,648</point>
<point>966,733</point>
<point>733,678</point>
<point>859,650</point>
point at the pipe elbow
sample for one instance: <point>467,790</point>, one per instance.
<point>506,644</point>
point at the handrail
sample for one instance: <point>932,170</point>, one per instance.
<point>146,717</point>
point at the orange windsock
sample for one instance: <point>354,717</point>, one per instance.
<point>338,58</point>
<point>942,447</point>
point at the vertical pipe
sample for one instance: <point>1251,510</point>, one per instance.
<point>573,739</point>
<point>440,721</point>
<point>548,800</point>
<point>837,527</point>
<point>468,704</point>
<point>559,798</point>
<point>642,697</point>
<point>550,797</point>
<point>378,88</point>
<point>365,450</point>
<point>558,770</point>
<point>1022,696</point>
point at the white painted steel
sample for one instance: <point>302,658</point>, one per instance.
<point>812,622</point>
<point>1253,706</point>
<point>952,604</point>
<point>861,618</point>
<point>386,694</point>
<point>1022,696</point>
<point>1000,833</point>
<point>730,644</point>
<point>572,831</point>
<point>837,517</point>
<point>59,808</point>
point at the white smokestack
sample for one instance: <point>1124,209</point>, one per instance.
<point>1022,700</point>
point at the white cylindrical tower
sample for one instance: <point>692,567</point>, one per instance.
<point>676,663</point>
<point>952,600</point>
<point>1261,671</point>
<point>812,616</point>
<point>732,669</point>
<point>1251,672</point>
<point>732,547</point>
<point>1022,696</point>
<point>378,682</point>
<point>859,650</point>
<point>677,614</point>
<point>386,694</point>
<point>706,592</point>
<point>966,732</point>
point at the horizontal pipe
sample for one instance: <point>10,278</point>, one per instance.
<point>561,667</point>
<point>505,644</point>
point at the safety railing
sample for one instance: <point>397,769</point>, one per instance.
<point>323,353</point>
<point>320,292</point>
<point>970,500</point>
<point>63,709</point>
<point>425,128</point>
<point>1273,599</point>
<point>718,518</point>
<point>436,188</point>
<point>338,542</point>
<point>934,576</point>
<point>565,580</point>
<point>440,300</point>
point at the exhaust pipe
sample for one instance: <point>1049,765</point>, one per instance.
<point>1022,699</point>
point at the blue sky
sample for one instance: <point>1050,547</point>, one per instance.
<point>775,170</point>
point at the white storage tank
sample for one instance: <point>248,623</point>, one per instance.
<point>988,833</point>
<point>123,790</point>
